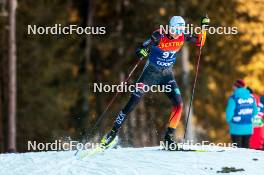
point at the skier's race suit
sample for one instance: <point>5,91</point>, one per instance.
<point>163,51</point>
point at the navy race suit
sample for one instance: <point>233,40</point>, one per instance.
<point>163,51</point>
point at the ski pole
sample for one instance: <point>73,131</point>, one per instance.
<point>193,88</point>
<point>111,102</point>
<point>113,98</point>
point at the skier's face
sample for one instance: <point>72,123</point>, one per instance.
<point>176,30</point>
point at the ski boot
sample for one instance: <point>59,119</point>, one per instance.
<point>169,143</point>
<point>109,140</point>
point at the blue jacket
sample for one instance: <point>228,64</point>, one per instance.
<point>240,110</point>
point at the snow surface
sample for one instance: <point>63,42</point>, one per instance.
<point>136,161</point>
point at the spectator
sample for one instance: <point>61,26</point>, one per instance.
<point>257,138</point>
<point>241,109</point>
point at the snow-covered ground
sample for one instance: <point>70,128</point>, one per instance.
<point>125,161</point>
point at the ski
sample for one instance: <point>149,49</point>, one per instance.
<point>98,150</point>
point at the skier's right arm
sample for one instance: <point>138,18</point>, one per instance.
<point>143,50</point>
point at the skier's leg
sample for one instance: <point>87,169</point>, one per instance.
<point>131,104</point>
<point>175,97</point>
<point>176,111</point>
<point>148,77</point>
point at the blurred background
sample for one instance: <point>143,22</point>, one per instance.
<point>46,90</point>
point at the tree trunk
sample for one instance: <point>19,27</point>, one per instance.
<point>87,67</point>
<point>132,127</point>
<point>1,110</point>
<point>153,132</point>
<point>12,78</point>
<point>88,45</point>
<point>144,129</point>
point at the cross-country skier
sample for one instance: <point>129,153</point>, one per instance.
<point>161,49</point>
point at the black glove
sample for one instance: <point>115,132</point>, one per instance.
<point>142,52</point>
<point>205,21</point>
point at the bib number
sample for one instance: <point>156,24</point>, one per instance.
<point>168,54</point>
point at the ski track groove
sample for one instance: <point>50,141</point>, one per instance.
<point>132,161</point>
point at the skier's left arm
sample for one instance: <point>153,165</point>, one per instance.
<point>143,50</point>
<point>199,38</point>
